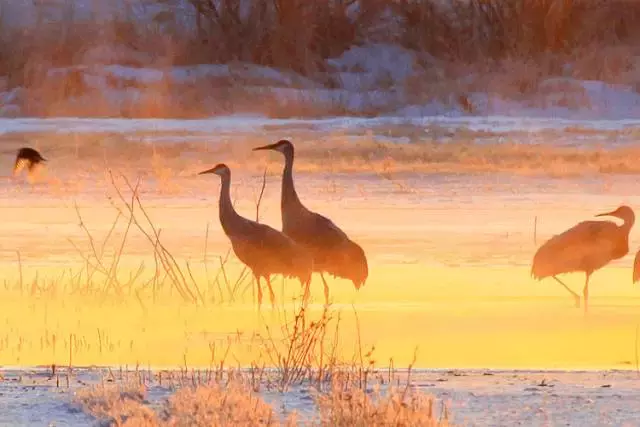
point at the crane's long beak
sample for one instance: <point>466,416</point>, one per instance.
<point>212,170</point>
<point>265,147</point>
<point>612,213</point>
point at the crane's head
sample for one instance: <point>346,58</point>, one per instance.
<point>284,146</point>
<point>624,212</point>
<point>220,169</point>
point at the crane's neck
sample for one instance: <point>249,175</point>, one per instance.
<point>228,215</point>
<point>289,198</point>
<point>628,224</point>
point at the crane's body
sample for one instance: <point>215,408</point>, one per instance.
<point>28,157</point>
<point>586,247</point>
<point>263,249</point>
<point>332,250</point>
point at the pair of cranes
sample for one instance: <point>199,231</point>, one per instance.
<point>310,242</point>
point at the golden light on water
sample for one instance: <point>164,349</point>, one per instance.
<point>449,273</point>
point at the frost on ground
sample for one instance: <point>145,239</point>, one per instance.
<point>472,397</point>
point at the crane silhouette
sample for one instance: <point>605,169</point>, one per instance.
<point>636,267</point>
<point>332,250</point>
<point>585,247</point>
<point>263,249</point>
<point>28,157</point>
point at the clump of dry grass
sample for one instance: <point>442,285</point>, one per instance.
<point>215,405</point>
<point>346,406</point>
<point>465,151</point>
<point>298,354</point>
<point>117,404</point>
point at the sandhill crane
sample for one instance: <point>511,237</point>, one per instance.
<point>636,267</point>
<point>28,157</point>
<point>333,252</point>
<point>263,249</point>
<point>586,247</point>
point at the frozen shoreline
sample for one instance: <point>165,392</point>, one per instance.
<point>473,397</point>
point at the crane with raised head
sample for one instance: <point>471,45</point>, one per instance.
<point>585,247</point>
<point>265,250</point>
<point>29,158</point>
<point>332,250</point>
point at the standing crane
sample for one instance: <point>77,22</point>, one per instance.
<point>332,250</point>
<point>263,249</point>
<point>28,157</point>
<point>636,267</point>
<point>586,247</point>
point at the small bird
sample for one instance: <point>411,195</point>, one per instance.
<point>263,249</point>
<point>586,247</point>
<point>28,157</point>
<point>332,250</point>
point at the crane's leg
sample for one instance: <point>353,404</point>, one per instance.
<point>575,295</point>
<point>326,289</point>
<point>585,293</point>
<point>272,296</point>
<point>259,292</point>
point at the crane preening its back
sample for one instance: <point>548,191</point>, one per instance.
<point>586,247</point>
<point>263,249</point>
<point>333,252</point>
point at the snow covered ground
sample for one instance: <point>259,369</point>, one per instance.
<point>473,398</point>
<point>377,79</point>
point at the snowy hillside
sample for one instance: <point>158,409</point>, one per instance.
<point>109,77</point>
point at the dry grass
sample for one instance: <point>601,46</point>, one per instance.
<point>169,163</point>
<point>235,404</point>
<point>117,404</point>
<point>348,406</point>
<point>216,405</point>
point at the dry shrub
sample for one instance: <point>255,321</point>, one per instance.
<point>120,405</point>
<point>217,405</point>
<point>298,354</point>
<point>348,405</point>
<point>472,30</point>
<point>291,34</point>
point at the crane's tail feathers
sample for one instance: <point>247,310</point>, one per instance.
<point>350,263</point>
